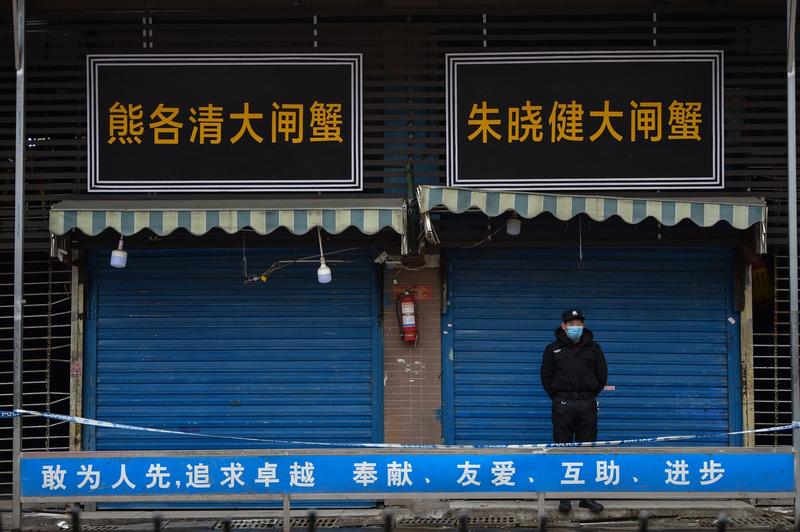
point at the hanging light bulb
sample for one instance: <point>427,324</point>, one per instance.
<point>119,257</point>
<point>513,226</point>
<point>324,274</point>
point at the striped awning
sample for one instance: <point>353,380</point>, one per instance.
<point>162,217</point>
<point>739,212</point>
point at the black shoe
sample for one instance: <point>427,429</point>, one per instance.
<point>593,506</point>
<point>564,506</point>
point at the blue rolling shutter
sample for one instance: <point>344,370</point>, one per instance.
<point>177,341</point>
<point>661,316</point>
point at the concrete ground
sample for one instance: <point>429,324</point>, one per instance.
<point>426,515</point>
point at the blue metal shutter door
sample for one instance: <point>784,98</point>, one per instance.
<point>661,316</point>
<point>177,341</point>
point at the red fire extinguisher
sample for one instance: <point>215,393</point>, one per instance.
<point>406,317</point>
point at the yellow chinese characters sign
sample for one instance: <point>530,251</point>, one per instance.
<point>566,122</point>
<point>225,123</point>
<point>595,120</point>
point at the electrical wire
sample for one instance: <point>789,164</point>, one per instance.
<point>244,258</point>
<point>487,238</point>
<point>402,269</point>
<point>319,239</point>
<point>281,264</point>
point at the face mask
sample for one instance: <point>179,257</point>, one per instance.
<point>574,332</point>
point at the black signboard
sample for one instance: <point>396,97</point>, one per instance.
<point>272,122</point>
<point>585,120</point>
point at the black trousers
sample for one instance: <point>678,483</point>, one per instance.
<point>574,420</point>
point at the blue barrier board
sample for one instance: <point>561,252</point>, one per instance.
<point>88,474</point>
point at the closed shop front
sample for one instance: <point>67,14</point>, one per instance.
<point>178,341</point>
<point>660,282</point>
<point>664,318</point>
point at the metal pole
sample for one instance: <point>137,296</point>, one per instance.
<point>791,124</point>
<point>19,235</point>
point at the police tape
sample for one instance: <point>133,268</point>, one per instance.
<point>604,443</point>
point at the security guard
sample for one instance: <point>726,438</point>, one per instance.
<point>573,372</point>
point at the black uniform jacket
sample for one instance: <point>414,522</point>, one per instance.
<point>576,371</point>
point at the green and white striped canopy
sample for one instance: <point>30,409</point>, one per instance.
<point>162,217</point>
<point>740,213</point>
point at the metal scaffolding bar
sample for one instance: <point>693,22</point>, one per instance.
<point>19,236</point>
<point>791,125</point>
